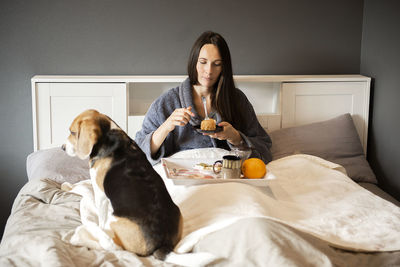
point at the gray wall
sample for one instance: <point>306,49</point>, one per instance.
<point>380,59</point>
<point>154,37</point>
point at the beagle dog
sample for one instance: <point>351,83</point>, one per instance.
<point>143,218</point>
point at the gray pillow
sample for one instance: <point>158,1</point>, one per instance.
<point>335,140</point>
<point>56,165</point>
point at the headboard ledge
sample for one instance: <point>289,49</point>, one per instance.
<point>280,101</point>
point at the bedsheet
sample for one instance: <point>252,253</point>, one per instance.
<point>44,218</point>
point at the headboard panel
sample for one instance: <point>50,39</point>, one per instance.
<point>305,103</point>
<point>279,101</point>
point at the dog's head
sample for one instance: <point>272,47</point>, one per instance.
<point>85,131</point>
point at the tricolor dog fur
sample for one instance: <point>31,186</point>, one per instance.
<point>144,218</point>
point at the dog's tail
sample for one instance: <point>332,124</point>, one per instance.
<point>162,252</point>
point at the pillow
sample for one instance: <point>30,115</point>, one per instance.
<point>334,140</point>
<point>56,165</point>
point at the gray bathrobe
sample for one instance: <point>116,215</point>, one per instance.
<point>186,137</point>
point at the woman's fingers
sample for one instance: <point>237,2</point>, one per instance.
<point>181,116</point>
<point>228,133</point>
<point>222,135</point>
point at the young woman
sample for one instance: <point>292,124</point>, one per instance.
<point>168,126</point>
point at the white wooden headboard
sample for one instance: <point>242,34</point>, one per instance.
<point>279,101</point>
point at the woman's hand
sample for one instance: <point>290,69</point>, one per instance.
<point>180,117</point>
<point>229,133</point>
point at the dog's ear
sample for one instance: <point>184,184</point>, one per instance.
<point>88,135</point>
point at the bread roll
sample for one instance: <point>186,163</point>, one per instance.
<point>208,125</point>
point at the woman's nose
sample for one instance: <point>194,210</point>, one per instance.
<point>208,68</point>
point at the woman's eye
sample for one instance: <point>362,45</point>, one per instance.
<point>73,133</point>
<point>203,62</point>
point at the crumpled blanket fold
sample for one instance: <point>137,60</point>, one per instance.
<point>310,194</point>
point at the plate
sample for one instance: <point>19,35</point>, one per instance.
<point>217,129</point>
<point>182,172</point>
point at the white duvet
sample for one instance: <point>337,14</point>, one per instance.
<point>310,194</point>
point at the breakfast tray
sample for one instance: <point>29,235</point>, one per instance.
<point>183,172</point>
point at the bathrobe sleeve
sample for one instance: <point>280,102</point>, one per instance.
<point>158,112</point>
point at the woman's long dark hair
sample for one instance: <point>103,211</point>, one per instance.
<point>223,97</point>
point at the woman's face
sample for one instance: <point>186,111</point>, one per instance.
<point>209,65</point>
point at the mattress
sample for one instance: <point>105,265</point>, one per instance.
<point>231,224</point>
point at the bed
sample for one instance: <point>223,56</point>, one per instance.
<point>322,208</point>
<point>319,204</point>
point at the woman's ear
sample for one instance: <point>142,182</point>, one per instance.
<point>88,136</point>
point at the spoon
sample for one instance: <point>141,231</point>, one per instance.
<point>205,107</point>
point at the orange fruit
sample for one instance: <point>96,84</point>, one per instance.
<point>254,168</point>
